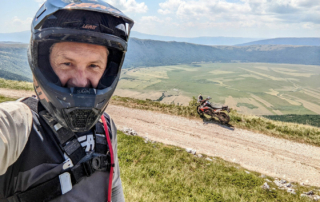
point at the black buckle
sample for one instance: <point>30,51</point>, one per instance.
<point>87,168</point>
<point>101,163</point>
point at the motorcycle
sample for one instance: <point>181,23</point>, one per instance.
<point>214,110</point>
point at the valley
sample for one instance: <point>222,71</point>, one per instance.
<point>251,88</point>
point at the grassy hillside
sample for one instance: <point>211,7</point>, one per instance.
<point>156,172</point>
<point>251,88</point>
<point>16,85</point>
<point>14,62</point>
<point>313,120</point>
<point>5,99</point>
<point>13,76</point>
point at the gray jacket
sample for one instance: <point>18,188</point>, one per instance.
<point>30,156</point>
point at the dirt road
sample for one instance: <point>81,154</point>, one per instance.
<point>271,156</point>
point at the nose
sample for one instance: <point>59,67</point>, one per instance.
<point>79,79</point>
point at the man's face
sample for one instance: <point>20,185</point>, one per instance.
<point>78,64</point>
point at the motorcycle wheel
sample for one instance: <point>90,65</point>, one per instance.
<point>199,111</point>
<point>209,112</point>
<point>224,118</point>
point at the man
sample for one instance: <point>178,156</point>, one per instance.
<point>61,146</point>
<point>200,98</point>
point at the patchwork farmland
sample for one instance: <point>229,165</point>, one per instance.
<point>251,88</point>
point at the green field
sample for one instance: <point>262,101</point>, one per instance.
<point>313,120</point>
<point>251,88</point>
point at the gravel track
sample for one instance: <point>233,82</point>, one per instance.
<point>16,93</point>
<point>257,152</point>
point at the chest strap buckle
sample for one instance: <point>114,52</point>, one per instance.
<point>101,163</point>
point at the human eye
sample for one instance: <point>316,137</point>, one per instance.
<point>67,63</point>
<point>93,66</point>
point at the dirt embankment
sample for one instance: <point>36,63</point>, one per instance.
<point>271,156</point>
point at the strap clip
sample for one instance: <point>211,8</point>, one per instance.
<point>65,182</point>
<point>101,163</point>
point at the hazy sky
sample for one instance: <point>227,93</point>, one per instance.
<point>192,18</point>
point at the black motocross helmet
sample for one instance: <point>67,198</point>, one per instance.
<point>84,21</point>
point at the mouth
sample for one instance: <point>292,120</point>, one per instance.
<point>70,84</point>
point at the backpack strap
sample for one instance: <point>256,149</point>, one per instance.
<point>67,139</point>
<point>64,182</point>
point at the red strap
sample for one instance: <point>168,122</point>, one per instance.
<point>111,154</point>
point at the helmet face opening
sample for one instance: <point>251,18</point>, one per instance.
<point>41,62</point>
<point>77,108</point>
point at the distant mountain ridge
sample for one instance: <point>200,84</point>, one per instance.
<point>24,37</point>
<point>286,41</point>
<point>158,53</point>
<point>223,41</point>
<point>21,37</point>
<point>14,65</point>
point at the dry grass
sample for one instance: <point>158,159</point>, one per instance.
<point>291,131</point>
<point>17,85</point>
<point>156,172</point>
<point>4,99</point>
<point>186,111</point>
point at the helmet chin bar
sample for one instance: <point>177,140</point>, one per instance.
<point>81,119</point>
<point>75,108</point>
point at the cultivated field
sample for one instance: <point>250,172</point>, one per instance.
<point>251,88</point>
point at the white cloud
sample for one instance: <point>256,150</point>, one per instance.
<point>151,19</point>
<point>245,18</point>
<point>164,11</point>
<point>169,6</point>
<point>244,13</point>
<point>17,25</point>
<point>130,6</point>
<point>18,22</point>
<point>155,25</point>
